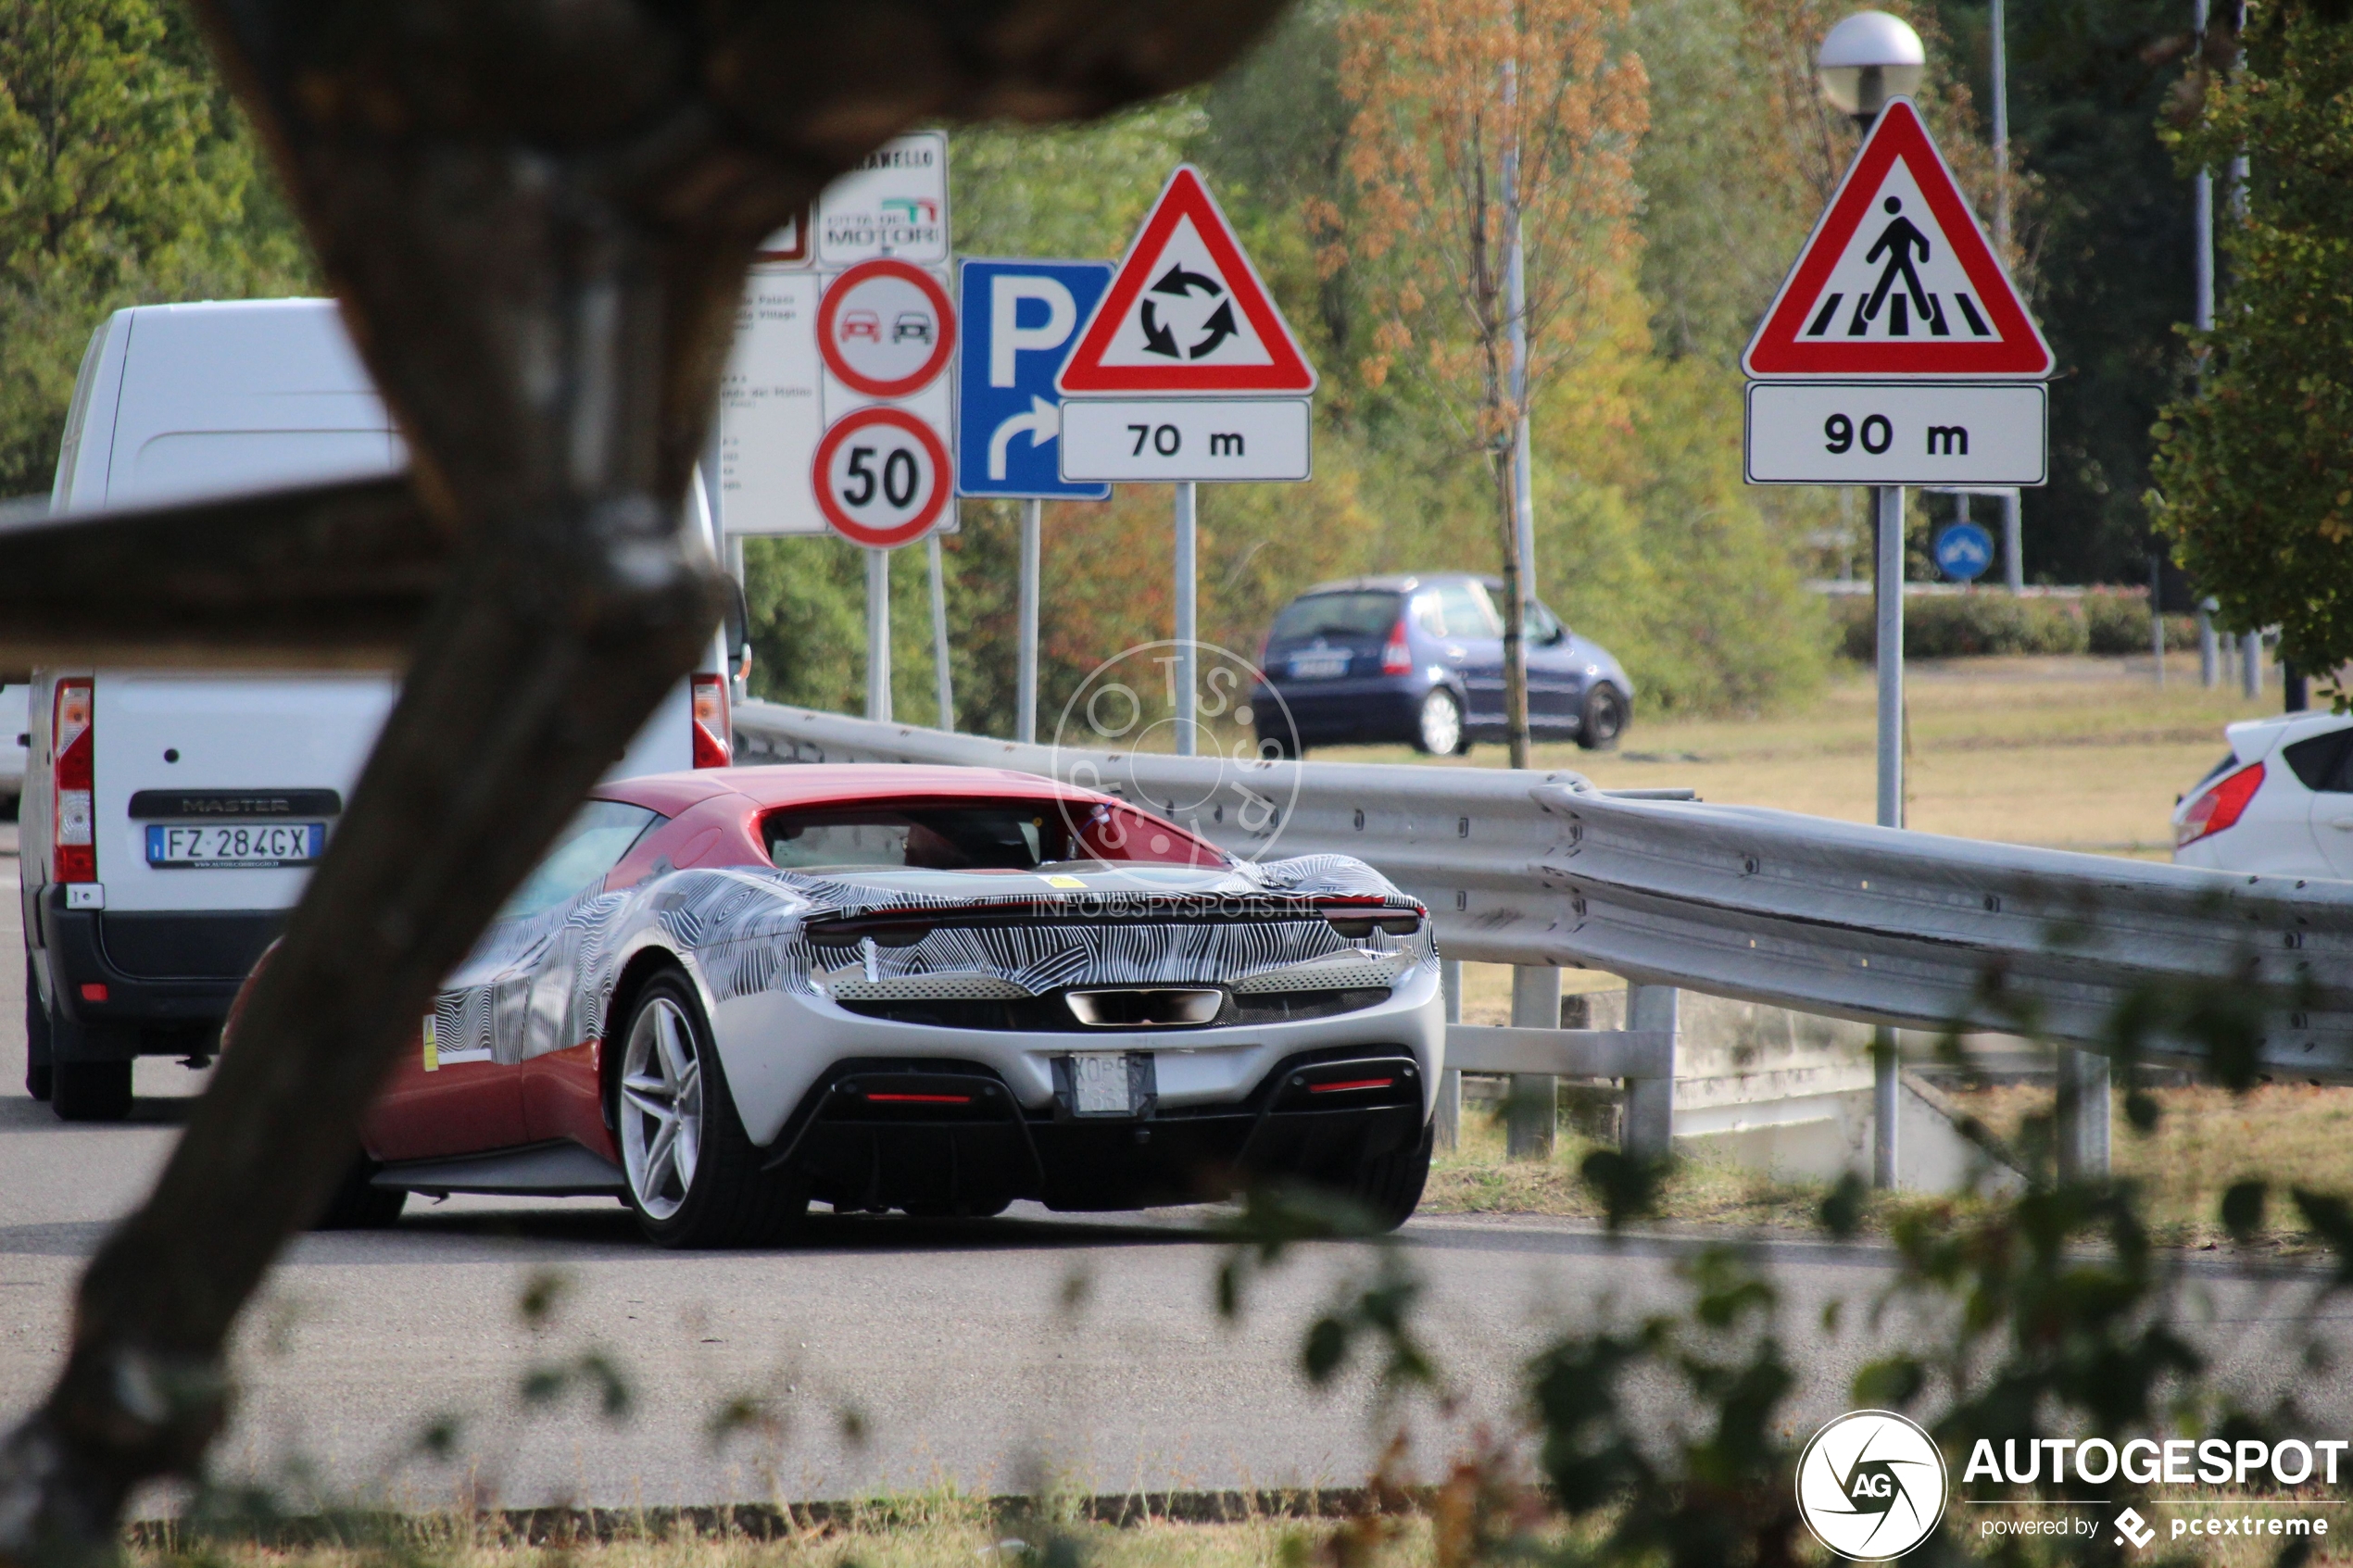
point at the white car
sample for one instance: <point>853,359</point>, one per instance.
<point>2281,802</point>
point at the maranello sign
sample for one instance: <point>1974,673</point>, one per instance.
<point>1872,1486</point>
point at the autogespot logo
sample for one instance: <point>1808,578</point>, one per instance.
<point>1871,1486</point>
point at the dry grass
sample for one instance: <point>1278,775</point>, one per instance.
<point>2206,1139</point>
<point>2069,752</point>
<point>2289,1135</point>
<point>916,1532</point>
<point>1476,1179</point>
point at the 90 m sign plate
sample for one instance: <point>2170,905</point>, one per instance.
<point>1895,433</point>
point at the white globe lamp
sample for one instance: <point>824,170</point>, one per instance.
<point>1867,59</point>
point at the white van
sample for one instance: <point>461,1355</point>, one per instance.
<point>169,818</point>
<point>15,734</point>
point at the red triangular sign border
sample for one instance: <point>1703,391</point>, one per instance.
<point>1779,352</point>
<point>1185,196</point>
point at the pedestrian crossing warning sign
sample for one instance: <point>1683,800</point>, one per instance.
<point>1897,281</point>
<point>1186,315</point>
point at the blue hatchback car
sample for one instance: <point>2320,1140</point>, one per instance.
<point>1420,659</point>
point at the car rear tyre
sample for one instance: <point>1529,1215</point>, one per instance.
<point>1277,747</point>
<point>1438,727</point>
<point>90,1091</point>
<point>693,1174</point>
<point>1605,716</point>
<point>358,1204</point>
<point>1391,1185</point>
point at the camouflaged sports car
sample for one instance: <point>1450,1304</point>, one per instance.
<point>725,994</point>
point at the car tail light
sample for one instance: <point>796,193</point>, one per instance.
<point>71,743</point>
<point>714,735</point>
<point>1397,659</point>
<point>2218,806</point>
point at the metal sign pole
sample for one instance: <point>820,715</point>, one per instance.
<point>945,679</point>
<point>1187,624</point>
<point>878,634</point>
<point>1025,658</point>
<point>1886,1071</point>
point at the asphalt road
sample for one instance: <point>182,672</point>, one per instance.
<point>992,1355</point>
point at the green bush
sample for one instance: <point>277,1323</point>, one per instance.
<point>2105,621</point>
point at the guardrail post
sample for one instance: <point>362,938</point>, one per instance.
<point>1449,1116</point>
<point>2083,1107</point>
<point>1887,1092</point>
<point>1650,1102</point>
<point>1535,1103</point>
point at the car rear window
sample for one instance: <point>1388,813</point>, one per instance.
<point>1335,615</point>
<point>1009,835</point>
<point>2320,761</point>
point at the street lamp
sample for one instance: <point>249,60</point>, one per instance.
<point>1868,58</point>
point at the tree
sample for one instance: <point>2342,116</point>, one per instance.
<point>124,177</point>
<point>1474,125</point>
<point>2254,471</point>
<point>2112,248</point>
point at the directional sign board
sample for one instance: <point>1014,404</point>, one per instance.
<point>1019,321</point>
<point>1964,551</point>
<point>1186,315</point>
<point>771,407</point>
<point>1896,281</point>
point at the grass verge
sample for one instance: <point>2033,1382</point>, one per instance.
<point>2206,1139</point>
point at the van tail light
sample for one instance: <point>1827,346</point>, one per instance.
<point>1397,659</point>
<point>72,743</point>
<point>2218,806</point>
<point>714,735</point>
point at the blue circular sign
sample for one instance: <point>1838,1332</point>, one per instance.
<point>1964,550</point>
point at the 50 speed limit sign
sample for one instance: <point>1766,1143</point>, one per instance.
<point>882,477</point>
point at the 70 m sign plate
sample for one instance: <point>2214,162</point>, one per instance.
<point>1166,439</point>
<point>1897,433</point>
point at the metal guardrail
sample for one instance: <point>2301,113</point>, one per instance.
<point>1561,1053</point>
<point>1877,924</point>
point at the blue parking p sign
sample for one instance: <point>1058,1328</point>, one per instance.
<point>1019,321</point>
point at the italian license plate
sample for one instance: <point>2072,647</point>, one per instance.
<point>221,845</point>
<point>1100,1084</point>
<point>1319,667</point>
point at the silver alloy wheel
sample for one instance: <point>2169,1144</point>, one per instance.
<point>1441,722</point>
<point>661,1107</point>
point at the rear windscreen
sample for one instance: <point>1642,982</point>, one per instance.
<point>1014,836</point>
<point>2320,761</point>
<point>1335,615</point>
